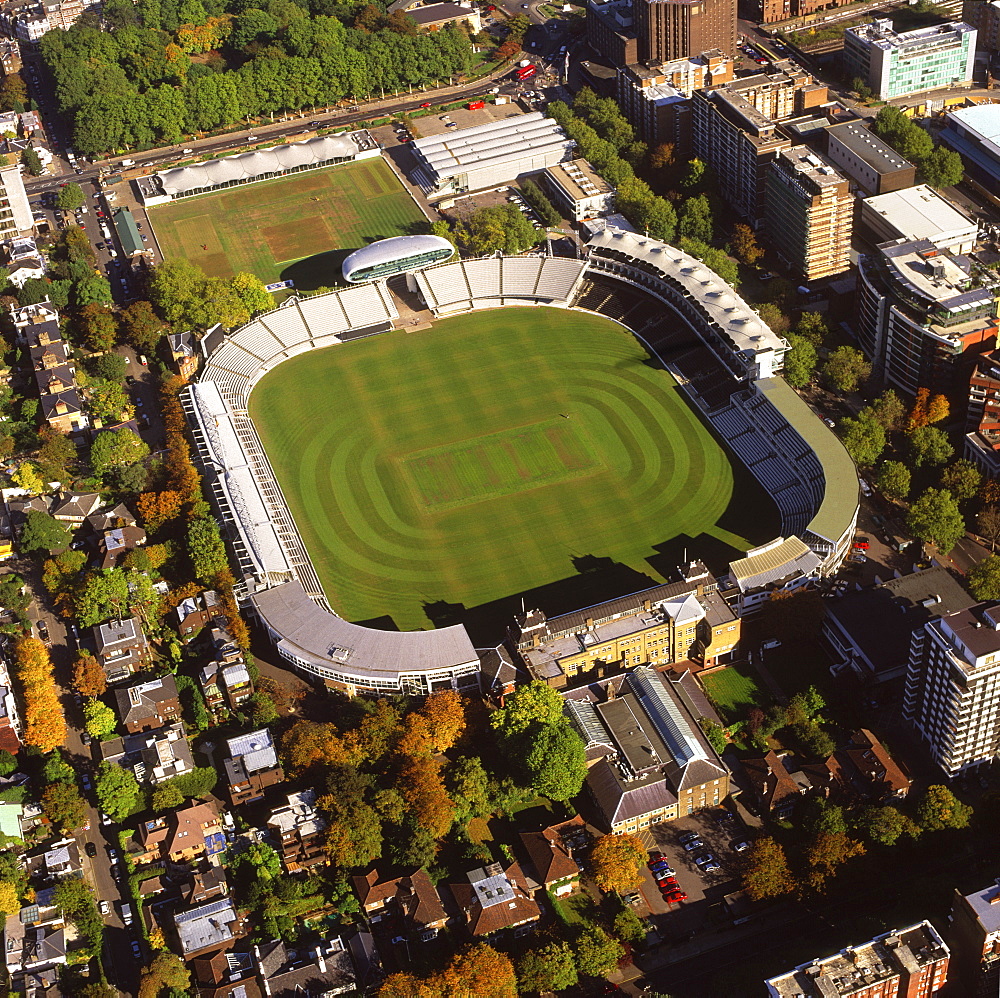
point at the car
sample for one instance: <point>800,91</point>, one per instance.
<point>861,544</point>
<point>667,882</point>
<point>85,781</point>
<point>675,897</point>
<point>829,422</point>
<point>136,949</point>
<point>708,863</point>
<point>142,360</point>
<point>741,846</point>
<point>130,381</point>
<point>765,275</point>
<point>43,630</point>
<point>426,104</point>
<point>452,124</point>
<point>404,139</point>
<point>660,864</point>
<point>105,820</point>
<point>866,489</point>
<point>90,849</point>
<point>666,888</point>
<point>686,837</point>
<point>104,908</point>
<point>634,898</point>
<point>693,844</point>
<point>85,738</point>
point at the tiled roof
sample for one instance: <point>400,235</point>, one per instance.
<point>771,781</point>
<point>552,858</point>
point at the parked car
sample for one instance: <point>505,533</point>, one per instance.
<point>136,949</point>
<point>675,897</point>
<point>85,781</point>
<point>104,908</point>
<point>741,846</point>
<point>708,863</point>
<point>693,844</point>
<point>90,849</point>
<point>105,820</point>
<point>85,738</point>
<point>660,864</point>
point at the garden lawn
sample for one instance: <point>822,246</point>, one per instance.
<point>734,690</point>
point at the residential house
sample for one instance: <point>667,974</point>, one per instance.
<point>110,519</point>
<point>226,975</point>
<point>551,851</point>
<point>499,674</point>
<point>10,719</point>
<point>774,787</point>
<point>252,766</point>
<point>183,353</point>
<point>154,756</point>
<point>148,705</point>
<point>648,757</point>
<point>121,648</point>
<point>74,507</point>
<point>495,899</point>
<point>34,937</point>
<point>114,544</point>
<point>10,56</point>
<point>203,885</point>
<point>298,828</point>
<point>55,861</point>
<point>197,612</point>
<point>209,928</point>
<point>409,903</point>
<point>182,836</point>
<point>225,686</point>
<point>870,771</point>
<point>324,970</point>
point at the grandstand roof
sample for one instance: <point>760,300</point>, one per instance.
<point>258,163</point>
<point>773,563</point>
<point>744,328</point>
<point>318,637</point>
<point>391,250</point>
<point>840,497</point>
<point>502,141</point>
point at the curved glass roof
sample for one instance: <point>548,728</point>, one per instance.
<point>419,250</point>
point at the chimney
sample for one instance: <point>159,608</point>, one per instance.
<point>611,692</point>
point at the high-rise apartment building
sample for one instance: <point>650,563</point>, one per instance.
<point>907,963</point>
<point>681,29</point>
<point>984,16</point>
<point>974,937</point>
<point>733,129</point>
<point>809,213</point>
<point>770,11</point>
<point>982,421</point>
<point>923,316</point>
<point>953,685</point>
<point>15,212</point>
<point>655,97</point>
<point>896,64</point>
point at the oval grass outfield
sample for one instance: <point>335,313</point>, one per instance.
<point>478,458</point>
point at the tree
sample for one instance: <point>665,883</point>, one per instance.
<point>32,162</point>
<point>103,595</point>
<point>164,971</point>
<point>695,173</point>
<point>99,719</point>
<point>14,596</point>
<point>64,806</point>
<point>988,524</point>
<point>69,197</point>
<point>928,445</point>
<point>845,369</point>
<point>445,712</point>
<point>156,508</point>
<point>919,412</point>
<point>885,824</point>
<point>827,852</point>
<point>893,480</point>
<point>44,721</point>
<point>597,954</point>
<point>56,455</point>
<point>118,791</point>
<point>206,549</point>
<point>110,403</point>
<point>533,703</point>
<point>695,219</point>
<point>767,874</point>
<point>936,519</point>
<point>10,903</point>
<point>249,289</point>
<point>262,708</point>
<point>744,245</point>
<point>939,808</point>
<point>800,361</point>
<point>715,733</point>
<point>166,797</point>
<point>556,761</point>
<point>961,479</point>
<point>8,763</point>
<point>888,409</point>
<point>983,579</point>
<point>629,927</point>
<point>615,862</point>
<point>27,477</point>
<point>43,533</point>
<point>937,409</point>
<point>116,449</point>
<point>864,440</point>
<point>550,968</point>
<point>426,797</point>
<point>942,168</point>
<point>95,326</point>
<point>141,327</point>
<point>812,326</point>
<point>89,679</point>
<point>774,317</point>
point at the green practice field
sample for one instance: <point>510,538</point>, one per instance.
<point>479,458</point>
<point>288,228</point>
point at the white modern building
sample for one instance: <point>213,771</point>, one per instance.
<point>15,212</point>
<point>396,255</point>
<point>897,64</point>
<point>473,159</point>
<point>919,213</point>
<point>580,191</point>
<point>953,685</point>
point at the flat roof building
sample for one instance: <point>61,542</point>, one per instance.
<point>897,964</point>
<point>919,213</point>
<point>433,16</point>
<point>681,29</point>
<point>872,166</point>
<point>974,133</point>
<point>974,938</point>
<point>809,213</point>
<point>897,64</point>
<point>580,191</point>
<point>470,159</point>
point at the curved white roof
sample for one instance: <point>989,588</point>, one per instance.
<point>394,248</point>
<point>258,163</point>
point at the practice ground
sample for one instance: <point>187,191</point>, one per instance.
<point>298,227</point>
<point>491,454</point>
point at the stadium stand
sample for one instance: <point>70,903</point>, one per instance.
<point>519,275</point>
<point>285,324</point>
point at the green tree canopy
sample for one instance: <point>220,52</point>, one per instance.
<point>555,760</point>
<point>962,479</point>
<point>116,449</point>
<point>695,219</point>
<point>845,369</point>
<point>939,808</point>
<point>597,954</point>
<point>767,873</point>
<point>206,549</point>
<point>983,579</point>
<point>893,479</point>
<point>550,968</point>
<point>885,824</point>
<point>800,361</point>
<point>42,532</point>
<point>70,196</point>
<point>118,792</point>
<point>864,440</point>
<point>928,445</point>
<point>99,719</point>
<point>936,519</point>
<point>533,703</point>
<point>888,410</point>
<point>103,595</point>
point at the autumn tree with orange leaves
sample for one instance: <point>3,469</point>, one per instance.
<point>89,679</point>
<point>156,508</point>
<point>918,414</point>
<point>479,971</point>
<point>307,744</point>
<point>615,862</point>
<point>44,721</point>
<point>426,797</point>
